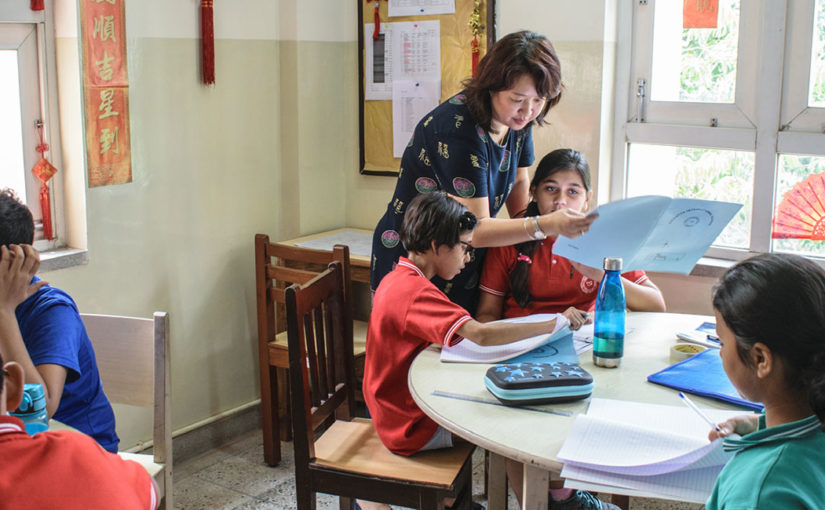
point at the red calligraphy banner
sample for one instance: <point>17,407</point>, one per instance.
<point>700,13</point>
<point>106,92</point>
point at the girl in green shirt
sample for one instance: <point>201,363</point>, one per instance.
<point>770,319</point>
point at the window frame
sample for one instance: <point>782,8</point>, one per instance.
<point>42,56</point>
<point>768,84</point>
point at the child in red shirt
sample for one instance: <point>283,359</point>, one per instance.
<point>528,278</point>
<point>409,313</point>
<point>62,469</point>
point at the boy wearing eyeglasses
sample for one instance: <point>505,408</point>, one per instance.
<point>409,313</point>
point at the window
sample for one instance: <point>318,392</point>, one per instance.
<point>28,96</point>
<point>734,111</point>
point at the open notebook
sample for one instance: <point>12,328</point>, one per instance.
<point>467,351</point>
<point>642,449</point>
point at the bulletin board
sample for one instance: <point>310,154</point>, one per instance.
<point>375,116</point>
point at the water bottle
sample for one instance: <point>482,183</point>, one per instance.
<point>32,410</point>
<point>608,338</point>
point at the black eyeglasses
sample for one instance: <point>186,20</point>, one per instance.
<point>466,246</point>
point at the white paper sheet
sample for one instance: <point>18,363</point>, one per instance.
<point>416,50</point>
<point>374,91</point>
<point>420,7</point>
<point>650,449</point>
<point>467,351</point>
<point>691,485</point>
<point>359,243</point>
<point>652,233</point>
<point>411,101</point>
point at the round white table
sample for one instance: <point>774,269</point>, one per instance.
<point>534,438</point>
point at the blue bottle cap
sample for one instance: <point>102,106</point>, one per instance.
<point>33,399</point>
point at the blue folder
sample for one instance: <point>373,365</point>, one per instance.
<point>702,375</point>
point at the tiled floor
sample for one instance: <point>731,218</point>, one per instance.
<point>234,476</point>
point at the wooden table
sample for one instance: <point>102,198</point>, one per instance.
<point>534,438</point>
<point>359,262</point>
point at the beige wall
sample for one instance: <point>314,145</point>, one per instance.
<point>272,148</point>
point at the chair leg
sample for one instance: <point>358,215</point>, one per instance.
<point>620,500</point>
<point>270,424</point>
<point>345,503</point>
<point>304,497</point>
<point>284,409</point>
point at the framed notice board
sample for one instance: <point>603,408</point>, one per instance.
<point>456,36</point>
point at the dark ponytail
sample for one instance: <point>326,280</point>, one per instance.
<point>816,386</point>
<point>520,275</point>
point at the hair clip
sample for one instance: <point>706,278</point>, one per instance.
<point>524,258</point>
<point>467,221</point>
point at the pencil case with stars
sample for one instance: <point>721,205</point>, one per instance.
<point>538,383</point>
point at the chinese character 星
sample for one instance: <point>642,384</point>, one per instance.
<point>107,100</point>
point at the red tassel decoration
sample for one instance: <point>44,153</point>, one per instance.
<point>377,18</point>
<point>44,171</point>
<point>37,5</point>
<point>46,211</point>
<point>207,42</point>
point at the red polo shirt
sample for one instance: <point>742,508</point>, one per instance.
<point>408,314</point>
<point>554,284</point>
<point>67,470</point>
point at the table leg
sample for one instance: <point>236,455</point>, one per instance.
<point>496,483</point>
<point>536,482</point>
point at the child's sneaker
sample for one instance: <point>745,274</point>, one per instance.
<point>581,500</point>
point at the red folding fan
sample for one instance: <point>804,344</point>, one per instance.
<point>801,214</point>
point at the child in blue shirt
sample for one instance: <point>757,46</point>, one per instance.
<point>770,318</point>
<point>45,334</point>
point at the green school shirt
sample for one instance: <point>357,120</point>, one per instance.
<point>774,468</point>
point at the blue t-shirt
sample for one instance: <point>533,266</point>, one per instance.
<point>53,333</point>
<point>450,152</point>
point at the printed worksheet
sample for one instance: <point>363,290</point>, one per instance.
<point>651,233</point>
<point>411,101</point>
<point>467,351</point>
<point>416,50</point>
<point>420,7</point>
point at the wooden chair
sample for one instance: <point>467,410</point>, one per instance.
<point>335,453</point>
<point>134,362</point>
<point>276,267</point>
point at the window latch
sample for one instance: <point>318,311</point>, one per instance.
<point>640,100</point>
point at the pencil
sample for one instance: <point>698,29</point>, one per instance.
<point>691,405</point>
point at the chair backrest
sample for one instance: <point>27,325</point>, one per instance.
<point>134,361</point>
<point>321,363</point>
<point>278,266</point>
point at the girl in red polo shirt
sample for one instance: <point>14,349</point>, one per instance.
<point>528,278</point>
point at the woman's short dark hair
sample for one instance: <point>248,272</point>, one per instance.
<point>511,57</point>
<point>16,222</point>
<point>779,300</point>
<point>434,217</point>
<point>557,161</point>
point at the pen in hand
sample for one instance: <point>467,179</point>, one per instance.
<point>698,411</point>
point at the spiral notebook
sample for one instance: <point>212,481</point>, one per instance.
<point>702,375</point>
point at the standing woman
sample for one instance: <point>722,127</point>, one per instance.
<point>476,147</point>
